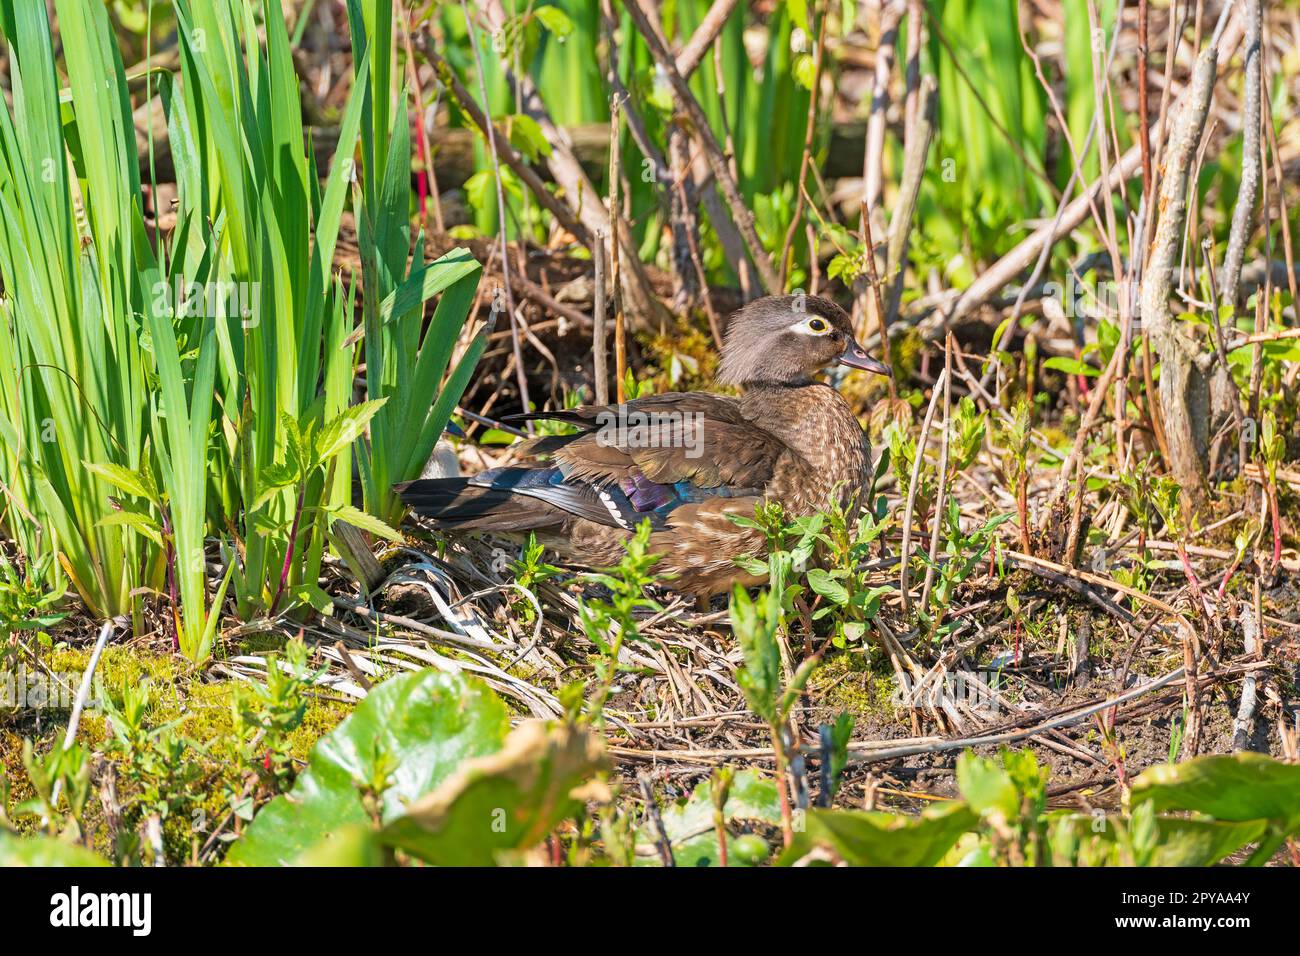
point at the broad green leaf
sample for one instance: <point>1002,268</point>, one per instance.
<point>44,851</point>
<point>1069,366</point>
<point>509,800</point>
<point>527,137</point>
<point>278,475</point>
<point>425,283</point>
<point>364,522</point>
<point>140,523</point>
<point>1189,842</point>
<point>1233,787</point>
<point>1081,840</point>
<point>137,483</point>
<point>804,70</point>
<point>863,838</point>
<point>799,14</point>
<point>986,786</point>
<point>555,20</point>
<point>754,623</point>
<point>416,729</point>
<point>825,585</point>
<point>351,846</point>
<point>345,428</point>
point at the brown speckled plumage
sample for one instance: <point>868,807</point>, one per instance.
<point>786,438</point>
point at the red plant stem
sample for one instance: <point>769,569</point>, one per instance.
<point>1232,569</point>
<point>1144,119</point>
<point>172,591</point>
<point>422,178</point>
<point>288,553</point>
<point>783,788</point>
<point>1194,581</point>
<point>428,181</point>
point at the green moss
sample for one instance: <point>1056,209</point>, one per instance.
<point>201,710</point>
<point>848,682</point>
<point>693,343</point>
<point>1056,437</point>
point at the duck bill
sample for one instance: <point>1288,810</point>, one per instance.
<point>855,356</point>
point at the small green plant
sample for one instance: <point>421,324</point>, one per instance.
<point>1272,449</point>
<point>851,602</point>
<point>969,426</point>
<point>1136,486</point>
<point>265,715</point>
<point>529,571</point>
<point>1012,599</point>
<point>1009,795</point>
<point>27,605</point>
<point>61,782</point>
<point>156,763</point>
<point>611,623</point>
<point>310,461</point>
<point>1138,491</point>
<point>1177,730</point>
<point>1015,439</point>
<point>1241,545</point>
<point>902,458</point>
<point>1167,497</point>
<point>961,557</point>
<point>1112,747</point>
<point>788,546</point>
<point>755,624</point>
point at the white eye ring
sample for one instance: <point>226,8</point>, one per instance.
<point>814,325</point>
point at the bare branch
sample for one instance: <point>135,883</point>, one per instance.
<point>740,213</point>
<point>1178,376</point>
<point>1243,212</point>
<point>890,17</point>
<point>579,190</point>
<point>710,27</point>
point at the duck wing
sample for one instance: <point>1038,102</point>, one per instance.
<point>685,436</point>
<point>627,463</point>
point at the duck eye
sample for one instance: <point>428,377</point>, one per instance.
<point>817,325</point>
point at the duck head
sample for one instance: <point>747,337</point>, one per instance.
<point>786,339</point>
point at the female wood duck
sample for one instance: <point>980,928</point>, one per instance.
<point>686,460</point>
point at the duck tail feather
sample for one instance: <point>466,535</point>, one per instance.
<point>455,504</point>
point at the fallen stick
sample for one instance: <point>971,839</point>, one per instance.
<point>903,593</point>
<point>1005,270</point>
<point>83,693</point>
<point>1251,631</point>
